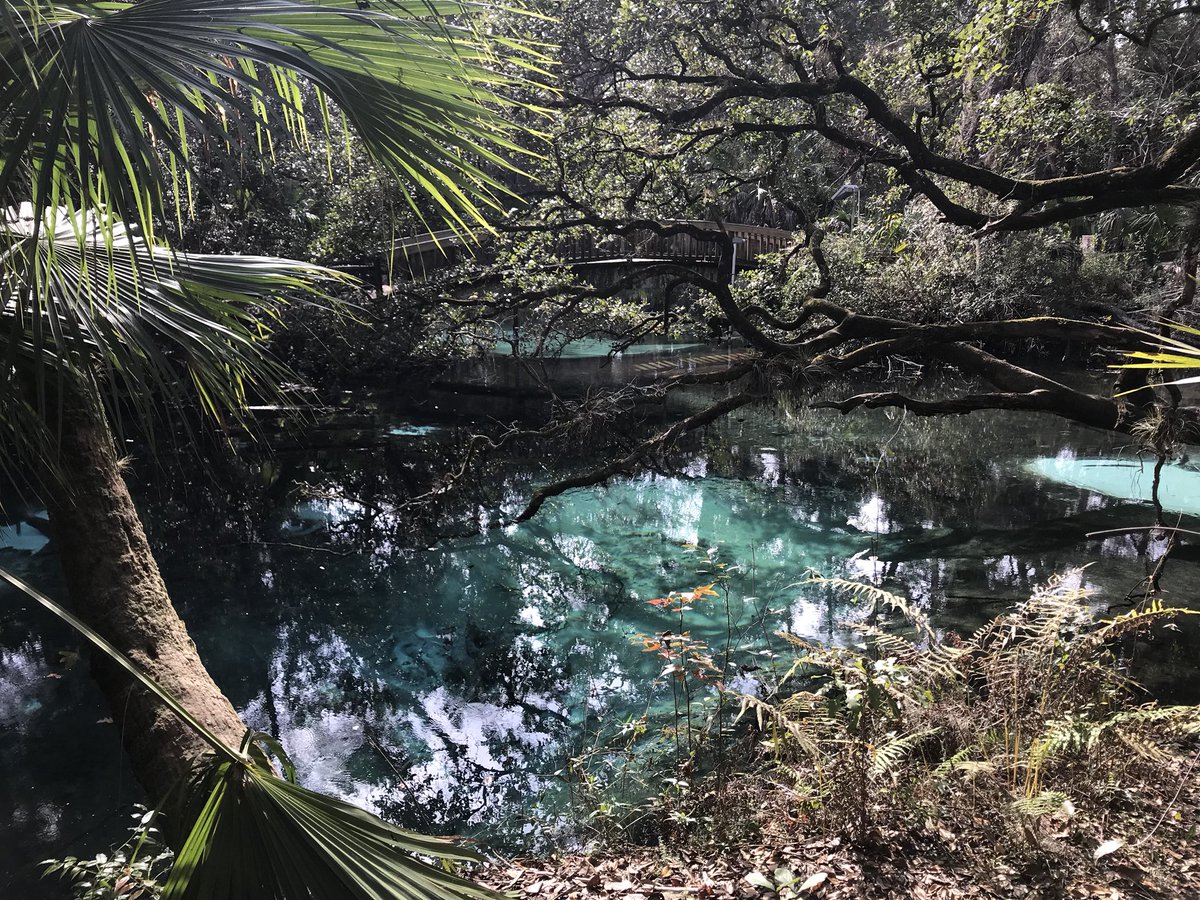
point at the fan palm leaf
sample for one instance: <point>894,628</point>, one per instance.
<point>86,300</point>
<point>1166,353</point>
<point>99,100</point>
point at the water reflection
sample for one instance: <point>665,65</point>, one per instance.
<point>444,685</point>
<point>1125,478</point>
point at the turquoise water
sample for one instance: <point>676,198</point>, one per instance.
<point>445,683</point>
<point>414,430</point>
<point>1126,478</point>
<point>590,347</point>
<point>22,536</point>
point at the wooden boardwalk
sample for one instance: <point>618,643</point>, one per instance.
<point>713,360</point>
<point>420,254</point>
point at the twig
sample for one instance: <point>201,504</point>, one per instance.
<point>1178,791</point>
<point>295,546</point>
<point>1136,529</point>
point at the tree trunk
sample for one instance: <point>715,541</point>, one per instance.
<point>115,587</point>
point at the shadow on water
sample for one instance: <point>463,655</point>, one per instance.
<point>446,684</point>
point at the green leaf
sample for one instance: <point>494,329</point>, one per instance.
<point>259,837</point>
<point>758,879</point>
<point>110,94</point>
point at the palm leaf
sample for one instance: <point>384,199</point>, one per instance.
<point>260,837</point>
<point>101,643</point>
<point>1166,353</point>
<point>157,329</point>
<point>118,88</point>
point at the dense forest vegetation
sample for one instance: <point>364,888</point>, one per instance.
<point>232,228</point>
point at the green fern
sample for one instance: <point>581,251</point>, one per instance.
<point>887,757</point>
<point>1044,803</point>
<point>879,598</point>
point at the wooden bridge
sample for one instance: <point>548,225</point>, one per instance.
<point>419,255</point>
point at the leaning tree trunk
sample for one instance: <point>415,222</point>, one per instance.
<point>115,587</point>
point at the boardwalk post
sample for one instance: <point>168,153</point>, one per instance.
<point>736,242</point>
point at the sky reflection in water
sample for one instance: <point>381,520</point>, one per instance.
<point>444,687</point>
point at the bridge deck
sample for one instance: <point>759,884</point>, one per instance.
<point>437,249</point>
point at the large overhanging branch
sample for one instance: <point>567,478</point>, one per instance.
<point>1035,401</point>
<point>808,103</point>
<point>636,457</point>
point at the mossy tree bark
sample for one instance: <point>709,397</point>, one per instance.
<point>115,587</point>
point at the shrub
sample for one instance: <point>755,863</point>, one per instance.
<point>1025,724</point>
<point>136,870</point>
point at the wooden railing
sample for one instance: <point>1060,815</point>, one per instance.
<point>437,249</point>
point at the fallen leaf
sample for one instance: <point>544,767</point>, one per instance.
<point>1109,846</point>
<point>813,882</point>
<point>758,879</point>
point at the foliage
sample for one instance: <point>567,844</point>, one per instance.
<point>156,327</point>
<point>917,265</point>
<point>661,776</point>
<point>1014,738</point>
<point>1166,353</point>
<point>116,116</point>
<point>136,870</point>
<point>81,133</point>
<point>1028,718</point>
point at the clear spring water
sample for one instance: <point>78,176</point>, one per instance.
<point>1126,478</point>
<point>445,686</point>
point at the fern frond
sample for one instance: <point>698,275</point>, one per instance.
<point>888,644</point>
<point>1132,621</point>
<point>1062,735</point>
<point>879,598</point>
<point>940,662</point>
<point>1045,803</point>
<point>1142,746</point>
<point>946,766</point>
<point>1184,718</point>
<point>765,712</point>
<point>973,768</point>
<point>886,758</point>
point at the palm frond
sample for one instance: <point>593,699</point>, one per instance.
<point>260,837</point>
<point>1165,352</point>
<point>118,89</point>
<point>157,329</point>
